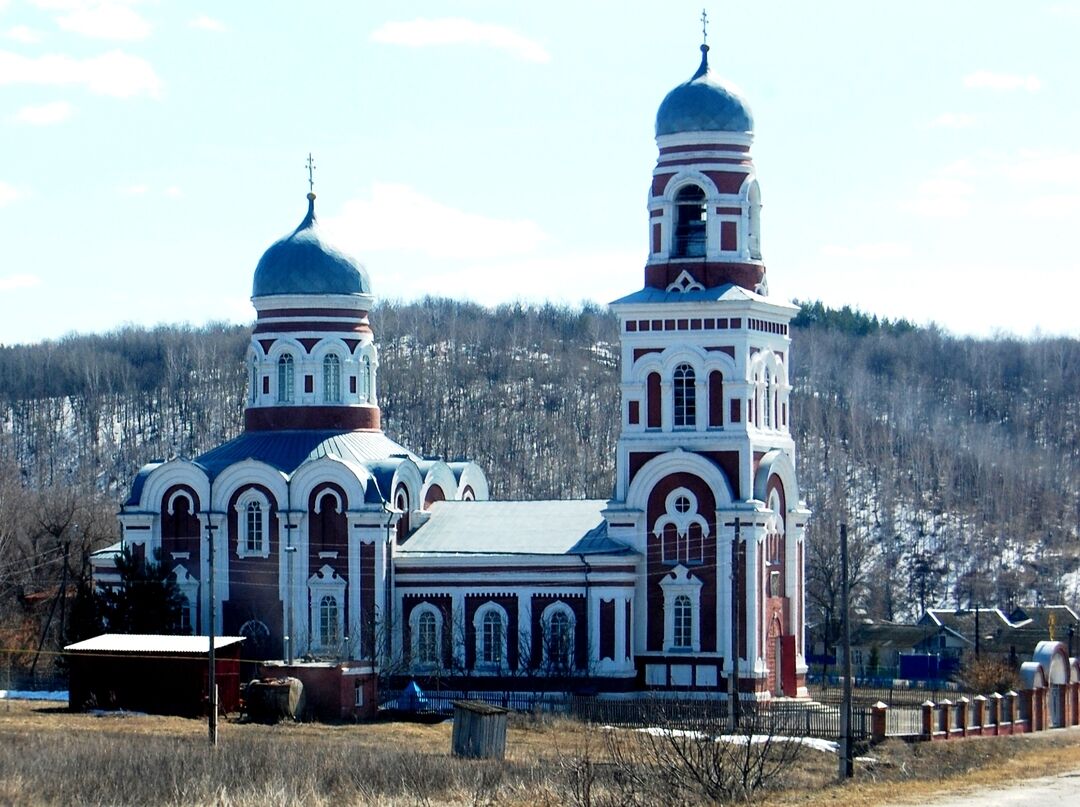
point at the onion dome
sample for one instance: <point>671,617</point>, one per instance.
<point>703,104</point>
<point>303,263</point>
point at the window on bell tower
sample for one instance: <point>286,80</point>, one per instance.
<point>285,379</point>
<point>690,222</point>
<point>684,393</point>
<point>332,379</point>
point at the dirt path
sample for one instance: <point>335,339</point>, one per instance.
<point>1058,789</point>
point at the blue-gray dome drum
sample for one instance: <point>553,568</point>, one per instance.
<point>302,263</point>
<point>703,104</point>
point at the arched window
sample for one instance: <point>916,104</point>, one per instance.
<point>427,639</point>
<point>754,224</point>
<point>683,634</point>
<point>559,641</point>
<point>690,221</point>
<point>767,399</point>
<point>285,379</point>
<point>253,534</point>
<point>331,379</point>
<point>365,378</point>
<point>685,397</point>
<point>329,622</point>
<point>491,644</point>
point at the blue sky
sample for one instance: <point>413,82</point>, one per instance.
<point>918,160</point>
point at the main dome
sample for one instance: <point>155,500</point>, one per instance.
<point>302,263</point>
<point>703,104</point>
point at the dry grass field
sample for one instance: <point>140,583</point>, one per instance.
<point>51,756</point>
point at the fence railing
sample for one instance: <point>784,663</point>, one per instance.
<point>707,716</point>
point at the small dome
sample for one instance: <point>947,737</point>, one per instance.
<point>703,104</point>
<point>302,263</point>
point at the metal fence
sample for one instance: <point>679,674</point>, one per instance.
<point>890,695</point>
<point>705,715</point>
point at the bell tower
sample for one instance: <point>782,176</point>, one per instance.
<point>706,489</point>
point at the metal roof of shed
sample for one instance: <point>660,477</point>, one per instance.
<point>150,643</point>
<point>573,527</point>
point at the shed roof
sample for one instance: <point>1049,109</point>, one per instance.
<point>573,527</point>
<point>150,643</point>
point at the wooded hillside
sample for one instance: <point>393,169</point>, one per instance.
<point>956,462</point>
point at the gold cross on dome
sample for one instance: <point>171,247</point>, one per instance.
<point>311,172</point>
<point>704,27</point>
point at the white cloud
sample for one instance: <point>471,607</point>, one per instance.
<point>45,114</point>
<point>207,23</point>
<point>400,218</point>
<point>105,20</point>
<point>22,33</point>
<point>987,80</point>
<point>116,73</point>
<point>941,198</point>
<point>8,193</point>
<point>883,251</point>
<point>455,31</point>
<point>13,282</point>
<point>953,120</point>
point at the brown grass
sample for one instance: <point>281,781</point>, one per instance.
<point>51,756</point>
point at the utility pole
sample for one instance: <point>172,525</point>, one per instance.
<point>290,550</point>
<point>847,767</point>
<point>212,717</point>
<point>733,673</point>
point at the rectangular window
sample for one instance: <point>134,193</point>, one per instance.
<point>358,697</point>
<point>352,385</point>
<point>634,415</point>
<point>309,383</point>
<point>266,385</point>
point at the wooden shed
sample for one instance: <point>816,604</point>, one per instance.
<point>479,730</point>
<point>152,673</point>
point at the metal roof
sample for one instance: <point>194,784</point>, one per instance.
<point>703,104</point>
<point>150,643</point>
<point>140,481</point>
<point>515,528</point>
<point>302,263</point>
<point>287,450</point>
<point>727,292</point>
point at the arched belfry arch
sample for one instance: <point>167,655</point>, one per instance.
<point>777,463</point>
<point>675,462</point>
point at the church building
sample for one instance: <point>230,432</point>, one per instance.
<point>333,542</point>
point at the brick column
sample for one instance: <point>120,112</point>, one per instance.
<point>928,720</point>
<point>979,722</point>
<point>962,705</point>
<point>946,716</point>
<point>995,710</point>
<point>878,721</point>
<point>1013,708</point>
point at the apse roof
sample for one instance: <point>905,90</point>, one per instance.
<point>574,527</point>
<point>287,450</point>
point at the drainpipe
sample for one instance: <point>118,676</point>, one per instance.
<point>588,608</point>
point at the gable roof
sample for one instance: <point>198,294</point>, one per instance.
<point>573,527</point>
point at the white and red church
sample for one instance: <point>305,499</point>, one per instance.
<point>334,542</point>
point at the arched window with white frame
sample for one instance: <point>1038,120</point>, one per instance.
<point>767,399</point>
<point>426,627</point>
<point>489,624</point>
<point>285,378</point>
<point>253,532</point>
<point>684,392</point>
<point>329,621</point>
<point>253,525</point>
<point>558,625</point>
<point>331,378</point>
<point>365,379</point>
<point>253,391</point>
<point>683,627</point>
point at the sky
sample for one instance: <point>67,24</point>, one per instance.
<point>916,160</point>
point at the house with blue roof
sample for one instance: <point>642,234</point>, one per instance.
<point>333,543</point>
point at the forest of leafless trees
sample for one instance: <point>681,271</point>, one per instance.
<point>954,461</point>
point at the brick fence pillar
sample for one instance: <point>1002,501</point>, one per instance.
<point>946,717</point>
<point>928,720</point>
<point>979,704</point>
<point>878,721</point>
<point>962,706</point>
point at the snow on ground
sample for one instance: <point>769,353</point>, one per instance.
<point>828,746</point>
<point>30,695</point>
